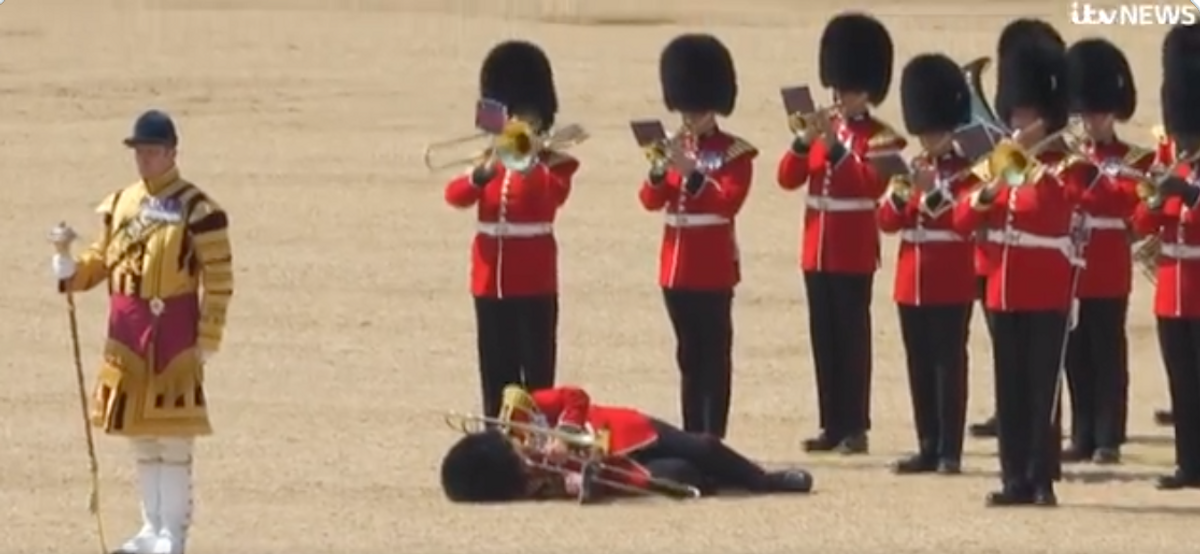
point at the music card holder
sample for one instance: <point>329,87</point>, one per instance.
<point>648,132</point>
<point>889,166</point>
<point>490,116</point>
<point>798,100</point>
<point>974,141</point>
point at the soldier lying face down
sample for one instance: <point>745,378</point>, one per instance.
<point>632,453</point>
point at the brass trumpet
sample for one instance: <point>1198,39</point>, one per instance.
<point>659,153</point>
<point>1016,165</point>
<point>516,146</point>
<point>802,124</point>
<point>586,458</point>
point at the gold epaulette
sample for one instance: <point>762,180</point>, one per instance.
<point>1057,168</point>
<point>738,148</point>
<point>885,137</point>
<point>553,158</point>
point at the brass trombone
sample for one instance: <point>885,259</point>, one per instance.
<point>516,146</point>
<point>586,458</point>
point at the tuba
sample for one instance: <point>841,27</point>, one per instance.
<point>982,112</point>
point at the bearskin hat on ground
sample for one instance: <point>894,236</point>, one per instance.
<point>1181,80</point>
<point>1099,79</point>
<point>483,467</point>
<point>697,75</point>
<point>1025,29</point>
<point>1033,75</point>
<point>518,74</point>
<point>857,55</point>
<point>934,94</point>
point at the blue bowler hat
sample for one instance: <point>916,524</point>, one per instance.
<point>153,127</point>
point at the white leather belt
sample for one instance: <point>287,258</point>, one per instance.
<point>919,236</point>
<point>515,230</point>
<point>1112,223</point>
<point>694,220</point>
<point>830,204</point>
<point>1014,237</point>
<point>1180,251</point>
<point>1021,239</point>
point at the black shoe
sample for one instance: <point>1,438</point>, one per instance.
<point>821,443</point>
<point>1075,454</point>
<point>1045,497</point>
<point>1177,481</point>
<point>1107,456</point>
<point>917,463</point>
<point>792,480</point>
<point>949,466</point>
<point>854,444</point>
<point>1010,496</point>
<point>1165,418</point>
<point>984,430</point>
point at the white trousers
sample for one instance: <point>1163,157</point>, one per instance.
<point>165,482</point>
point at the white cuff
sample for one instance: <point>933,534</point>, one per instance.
<point>62,266</point>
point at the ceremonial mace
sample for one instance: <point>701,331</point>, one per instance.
<point>62,238</point>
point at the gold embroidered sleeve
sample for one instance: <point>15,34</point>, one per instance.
<point>209,229</point>
<point>91,266</point>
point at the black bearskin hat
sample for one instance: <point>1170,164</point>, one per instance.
<point>518,74</point>
<point>1181,80</point>
<point>697,75</point>
<point>856,55</point>
<point>1033,75</point>
<point>1099,79</point>
<point>1022,30</point>
<point>483,467</point>
<point>934,95</point>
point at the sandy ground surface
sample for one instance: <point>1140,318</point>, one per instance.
<point>352,326</point>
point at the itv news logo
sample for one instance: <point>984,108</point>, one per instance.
<point>1084,13</point>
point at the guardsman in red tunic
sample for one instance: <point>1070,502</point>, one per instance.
<point>1172,212</point>
<point>1031,267</point>
<point>514,257</point>
<point>935,268</point>
<point>1102,92</point>
<point>493,466</point>
<point>1015,32</point>
<point>699,188</point>
<point>839,250</point>
<point>1164,156</point>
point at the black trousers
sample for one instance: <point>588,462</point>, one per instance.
<point>935,345</point>
<point>1179,342</point>
<point>1028,351</point>
<point>517,341</point>
<point>1097,375</point>
<point>839,326</point>
<point>700,460</point>
<point>703,324</point>
<point>981,294</point>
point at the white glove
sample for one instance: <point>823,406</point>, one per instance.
<point>62,266</point>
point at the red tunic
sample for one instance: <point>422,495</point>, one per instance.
<point>514,252</point>
<point>1030,248</point>
<point>699,245</point>
<point>840,233</point>
<point>1109,269</point>
<point>935,265</point>
<point>1177,294</point>
<point>626,430</point>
